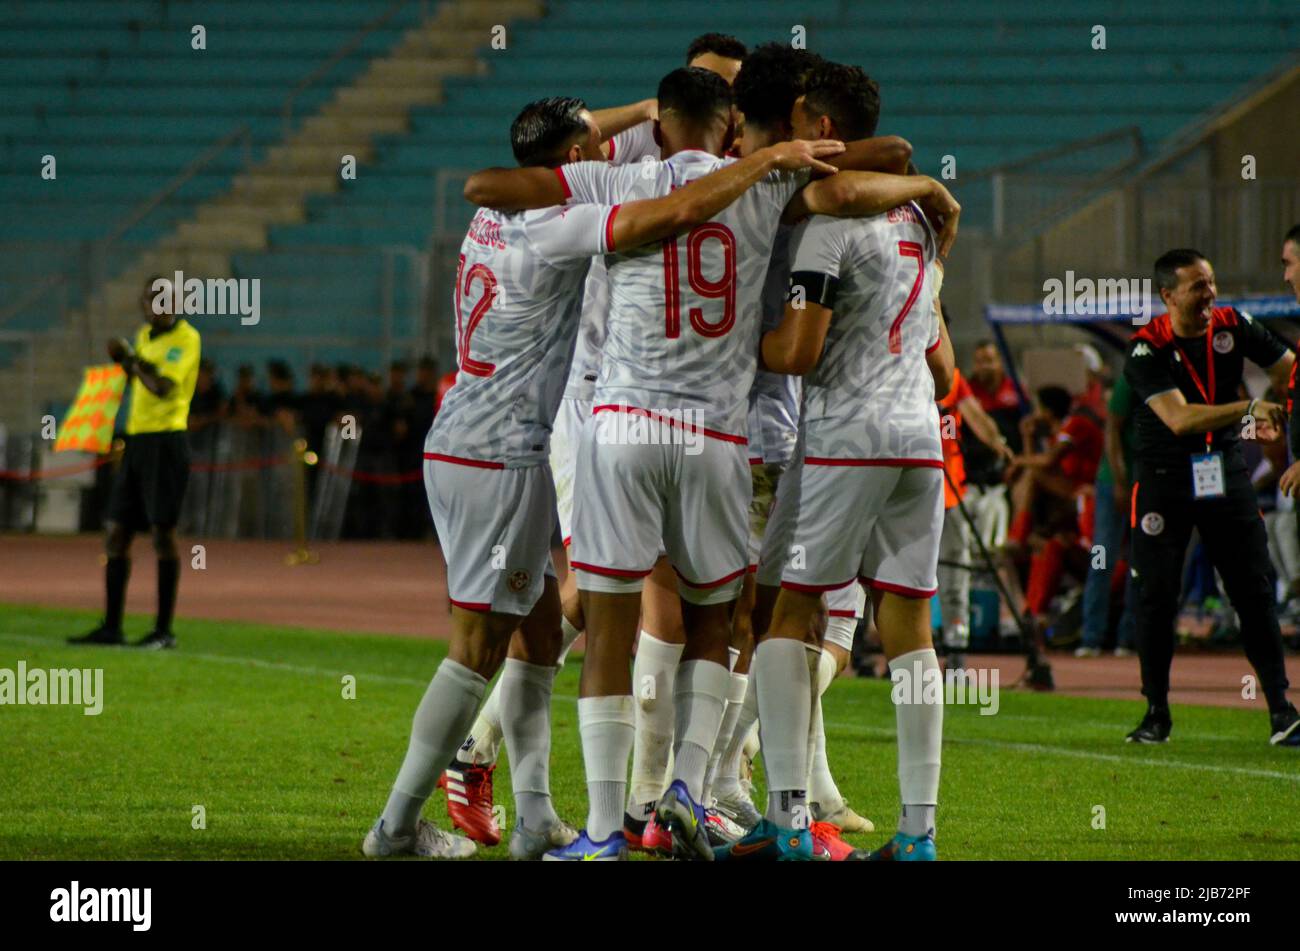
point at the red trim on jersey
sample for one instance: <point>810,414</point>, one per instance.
<point>609,228</point>
<point>638,411</point>
<point>1223,317</point>
<point>564,183</point>
<point>472,606</point>
<point>711,584</point>
<point>1159,331</point>
<point>898,589</point>
<point>933,347</point>
<point>753,569</point>
<point>611,148</point>
<point>898,463</point>
<point>841,613</point>
<point>567,540</point>
<point>462,461</point>
<point>755,460</point>
<point>609,572</point>
<point>815,588</point>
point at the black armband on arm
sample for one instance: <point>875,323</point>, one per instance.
<point>818,288</point>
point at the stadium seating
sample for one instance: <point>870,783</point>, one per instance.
<point>125,103</point>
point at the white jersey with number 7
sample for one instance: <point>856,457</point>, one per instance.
<point>871,396</point>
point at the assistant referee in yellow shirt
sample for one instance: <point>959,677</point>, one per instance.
<point>150,483</point>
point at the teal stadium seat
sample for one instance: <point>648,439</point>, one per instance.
<point>112,88</point>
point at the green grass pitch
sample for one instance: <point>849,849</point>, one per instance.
<point>250,723</point>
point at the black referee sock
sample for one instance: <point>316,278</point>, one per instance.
<point>169,574</point>
<point>116,572</point>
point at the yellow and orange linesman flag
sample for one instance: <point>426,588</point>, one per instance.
<point>88,426</point>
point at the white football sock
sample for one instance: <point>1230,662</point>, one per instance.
<point>699,696</point>
<point>439,724</point>
<point>653,674</point>
<point>920,740</point>
<point>606,725</point>
<point>727,780</point>
<point>526,718</point>
<point>569,634</point>
<point>784,703</point>
<point>737,687</point>
<point>813,657</point>
<point>839,631</point>
<point>483,745</point>
<point>821,785</point>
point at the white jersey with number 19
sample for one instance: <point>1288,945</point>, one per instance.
<point>517,297</point>
<point>684,317</point>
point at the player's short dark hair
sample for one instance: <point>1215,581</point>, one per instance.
<point>697,95</point>
<point>544,130</point>
<point>985,342</point>
<point>847,95</point>
<point>769,82</point>
<point>1167,265</point>
<point>1293,235</point>
<point>719,44</point>
<point>1056,400</point>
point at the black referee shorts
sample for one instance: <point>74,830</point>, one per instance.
<point>150,481</point>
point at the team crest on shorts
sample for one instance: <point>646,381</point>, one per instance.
<point>518,580</point>
<point>1153,523</point>
<point>1222,342</point>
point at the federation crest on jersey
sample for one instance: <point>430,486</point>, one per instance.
<point>518,580</point>
<point>1223,342</point>
<point>1153,523</point>
<point>1141,350</point>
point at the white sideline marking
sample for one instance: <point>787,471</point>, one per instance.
<point>838,725</point>
<point>1087,754</point>
<point>241,660</point>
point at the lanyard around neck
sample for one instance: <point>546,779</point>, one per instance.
<point>1206,393</point>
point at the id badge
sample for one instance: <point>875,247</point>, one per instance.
<point>1207,475</point>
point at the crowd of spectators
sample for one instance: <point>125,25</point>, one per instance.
<point>259,420</point>
<point>1047,495</point>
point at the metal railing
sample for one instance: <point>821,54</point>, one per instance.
<point>1019,196</point>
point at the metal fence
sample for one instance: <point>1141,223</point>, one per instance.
<point>244,483</point>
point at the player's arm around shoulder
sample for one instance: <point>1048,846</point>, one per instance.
<point>863,194</point>
<point>516,189</point>
<point>653,219</point>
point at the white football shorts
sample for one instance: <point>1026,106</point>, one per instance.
<point>565,434</point>
<point>834,524</point>
<point>641,489</point>
<point>494,527</point>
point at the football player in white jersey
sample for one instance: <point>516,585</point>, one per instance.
<point>468,779</point>
<point>663,456</point>
<point>863,501</point>
<point>773,80</point>
<point>517,298</point>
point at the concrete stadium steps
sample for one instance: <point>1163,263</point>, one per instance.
<point>240,212</point>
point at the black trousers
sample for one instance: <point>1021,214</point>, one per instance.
<point>1164,513</point>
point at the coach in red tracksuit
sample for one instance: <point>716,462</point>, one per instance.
<point>1185,368</point>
